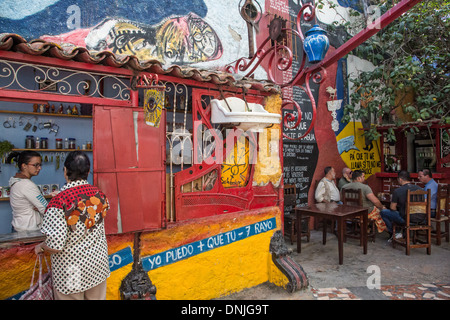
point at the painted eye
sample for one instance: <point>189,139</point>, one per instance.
<point>198,36</point>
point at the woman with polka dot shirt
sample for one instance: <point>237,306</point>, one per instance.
<point>75,235</point>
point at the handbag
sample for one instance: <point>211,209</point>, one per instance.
<point>43,288</point>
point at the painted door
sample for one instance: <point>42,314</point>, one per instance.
<point>129,158</point>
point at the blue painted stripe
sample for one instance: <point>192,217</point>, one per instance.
<point>120,259</point>
<point>189,250</point>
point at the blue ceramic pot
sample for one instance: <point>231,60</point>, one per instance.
<point>316,44</point>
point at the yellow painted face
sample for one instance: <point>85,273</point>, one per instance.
<point>153,105</point>
<point>236,167</point>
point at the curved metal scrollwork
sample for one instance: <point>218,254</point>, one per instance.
<point>62,81</point>
<point>281,55</point>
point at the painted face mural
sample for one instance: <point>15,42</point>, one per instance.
<point>181,40</point>
<point>202,39</point>
<point>187,40</point>
<point>121,37</point>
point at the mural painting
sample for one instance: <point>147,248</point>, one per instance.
<point>181,40</point>
<point>209,34</point>
<point>179,32</point>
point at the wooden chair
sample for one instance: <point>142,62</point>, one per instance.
<point>442,213</point>
<point>417,205</point>
<point>354,197</point>
<point>290,230</point>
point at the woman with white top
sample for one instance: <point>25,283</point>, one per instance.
<point>27,202</point>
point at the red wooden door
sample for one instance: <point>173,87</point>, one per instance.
<point>129,168</point>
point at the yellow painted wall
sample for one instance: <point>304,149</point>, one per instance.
<point>268,167</point>
<point>354,156</point>
<point>219,272</point>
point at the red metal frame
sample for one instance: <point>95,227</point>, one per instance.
<point>216,201</point>
<point>219,199</point>
<point>133,178</point>
<point>316,72</point>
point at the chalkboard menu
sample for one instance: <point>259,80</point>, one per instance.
<point>299,165</point>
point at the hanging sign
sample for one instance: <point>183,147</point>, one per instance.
<point>153,105</point>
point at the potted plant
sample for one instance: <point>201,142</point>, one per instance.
<point>5,148</point>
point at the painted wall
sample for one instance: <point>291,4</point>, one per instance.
<point>180,31</point>
<point>204,34</point>
<point>52,162</point>
<point>188,261</point>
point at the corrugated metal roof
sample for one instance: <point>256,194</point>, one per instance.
<point>39,47</point>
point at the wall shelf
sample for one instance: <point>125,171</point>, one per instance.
<point>7,198</point>
<point>46,114</point>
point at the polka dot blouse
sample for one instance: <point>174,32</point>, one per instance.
<point>74,225</point>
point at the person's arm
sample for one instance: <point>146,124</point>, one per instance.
<point>394,200</point>
<point>375,201</point>
<point>393,206</point>
<point>42,248</point>
<point>34,195</point>
<point>320,191</point>
<point>54,227</point>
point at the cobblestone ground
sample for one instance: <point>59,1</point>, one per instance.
<point>415,277</point>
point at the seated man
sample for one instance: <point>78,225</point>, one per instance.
<point>326,190</point>
<point>396,213</point>
<point>369,199</point>
<point>425,176</point>
<point>346,178</point>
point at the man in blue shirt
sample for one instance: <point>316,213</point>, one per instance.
<point>396,211</point>
<point>425,176</point>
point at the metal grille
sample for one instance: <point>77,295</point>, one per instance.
<point>215,199</point>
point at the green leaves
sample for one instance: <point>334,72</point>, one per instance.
<point>412,67</point>
<point>5,147</point>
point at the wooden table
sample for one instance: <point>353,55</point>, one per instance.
<point>335,212</point>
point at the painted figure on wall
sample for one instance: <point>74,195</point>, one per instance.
<point>33,18</point>
<point>181,38</point>
<point>187,39</point>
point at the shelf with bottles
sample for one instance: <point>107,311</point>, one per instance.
<point>46,190</point>
<point>55,109</point>
<point>52,150</point>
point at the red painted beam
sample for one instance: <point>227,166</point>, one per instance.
<point>60,63</point>
<point>357,40</point>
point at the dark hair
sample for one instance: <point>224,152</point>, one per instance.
<point>327,169</point>
<point>404,175</point>
<point>356,174</point>
<point>427,172</point>
<point>77,165</point>
<point>23,157</point>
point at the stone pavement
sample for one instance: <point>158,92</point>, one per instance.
<point>415,277</point>
<point>424,291</point>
